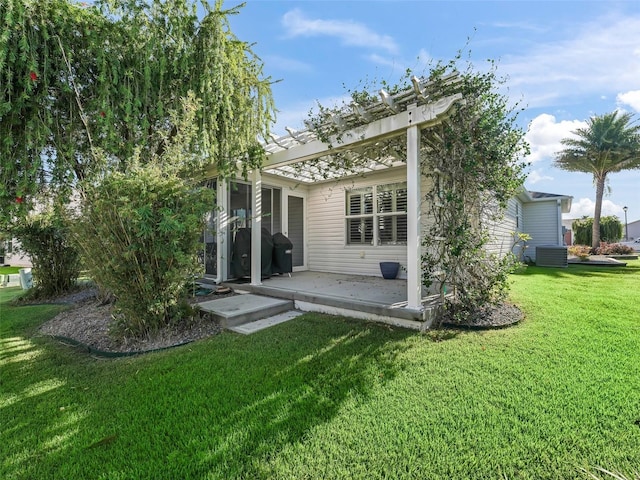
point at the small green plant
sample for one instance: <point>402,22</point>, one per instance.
<point>580,251</point>
<point>520,239</point>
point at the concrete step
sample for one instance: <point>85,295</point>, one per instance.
<point>245,308</point>
<point>252,327</point>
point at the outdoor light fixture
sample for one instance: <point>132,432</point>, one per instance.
<point>626,225</point>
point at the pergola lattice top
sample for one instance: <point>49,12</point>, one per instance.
<point>363,138</point>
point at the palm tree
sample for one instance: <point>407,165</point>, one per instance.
<point>609,143</point>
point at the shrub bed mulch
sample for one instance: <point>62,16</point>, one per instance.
<point>88,325</point>
<point>497,316</point>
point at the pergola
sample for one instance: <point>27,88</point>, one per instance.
<point>391,127</point>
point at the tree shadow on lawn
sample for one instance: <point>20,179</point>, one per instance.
<point>222,407</point>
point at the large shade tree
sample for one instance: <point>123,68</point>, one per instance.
<point>608,144</point>
<point>83,86</point>
<point>87,89</point>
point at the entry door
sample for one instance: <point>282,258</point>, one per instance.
<point>295,229</point>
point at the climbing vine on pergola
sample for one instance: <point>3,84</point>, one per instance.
<point>471,160</point>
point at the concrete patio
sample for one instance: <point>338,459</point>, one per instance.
<point>363,297</point>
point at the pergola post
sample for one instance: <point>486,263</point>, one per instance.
<point>223,230</point>
<point>256,227</point>
<point>414,228</point>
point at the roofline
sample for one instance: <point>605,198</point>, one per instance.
<point>565,200</point>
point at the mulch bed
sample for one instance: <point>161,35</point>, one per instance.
<point>88,324</point>
<point>498,316</point>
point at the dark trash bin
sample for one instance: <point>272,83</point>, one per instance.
<point>241,253</point>
<point>282,254</point>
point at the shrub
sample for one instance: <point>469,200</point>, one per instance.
<point>610,230</point>
<point>46,238</point>
<point>580,251</point>
<point>613,249</point>
<point>140,233</point>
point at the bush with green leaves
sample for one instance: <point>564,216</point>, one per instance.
<point>472,160</point>
<point>45,237</point>
<point>580,251</point>
<point>610,230</point>
<point>140,232</point>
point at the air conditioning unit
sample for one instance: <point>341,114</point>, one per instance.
<point>551,256</point>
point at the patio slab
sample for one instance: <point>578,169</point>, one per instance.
<point>364,297</point>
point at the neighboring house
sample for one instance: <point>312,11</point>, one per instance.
<point>347,221</point>
<point>13,257</point>
<point>537,214</point>
<point>567,223</point>
<point>633,229</point>
<point>542,219</point>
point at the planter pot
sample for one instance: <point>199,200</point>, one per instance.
<point>389,270</point>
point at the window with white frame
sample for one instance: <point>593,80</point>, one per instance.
<point>377,215</point>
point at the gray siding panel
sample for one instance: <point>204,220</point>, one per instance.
<point>503,231</point>
<point>541,222</point>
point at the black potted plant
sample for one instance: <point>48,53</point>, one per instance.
<point>389,270</point>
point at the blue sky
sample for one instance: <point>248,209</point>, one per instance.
<point>565,61</point>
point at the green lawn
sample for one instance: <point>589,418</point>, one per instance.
<point>9,270</point>
<point>325,397</point>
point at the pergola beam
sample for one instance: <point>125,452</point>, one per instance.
<point>388,127</point>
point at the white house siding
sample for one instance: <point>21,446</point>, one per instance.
<point>633,228</point>
<point>541,222</point>
<point>13,257</point>
<point>502,232</point>
<point>326,227</point>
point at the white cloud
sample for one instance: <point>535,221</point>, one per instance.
<point>536,176</point>
<point>601,58</point>
<point>631,98</point>
<point>287,64</point>
<point>526,26</point>
<point>294,115</point>
<point>587,207</point>
<point>419,65</point>
<point>349,32</point>
<point>545,133</point>
<point>384,61</point>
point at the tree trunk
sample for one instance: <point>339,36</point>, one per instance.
<point>595,234</point>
